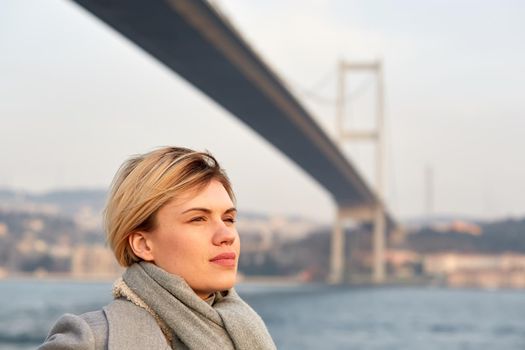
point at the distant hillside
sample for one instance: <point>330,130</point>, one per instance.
<point>415,222</point>
<point>497,237</point>
<point>67,201</point>
<point>73,198</point>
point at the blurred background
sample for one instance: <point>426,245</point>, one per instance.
<point>437,85</point>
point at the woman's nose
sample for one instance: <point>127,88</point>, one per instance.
<point>224,234</point>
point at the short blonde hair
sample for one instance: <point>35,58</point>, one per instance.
<point>146,182</point>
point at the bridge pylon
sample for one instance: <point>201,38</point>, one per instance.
<point>369,212</point>
<point>337,251</point>
<point>357,214</point>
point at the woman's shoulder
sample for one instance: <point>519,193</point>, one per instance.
<point>90,331</point>
<point>84,332</point>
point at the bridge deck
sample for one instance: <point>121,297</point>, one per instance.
<point>197,42</point>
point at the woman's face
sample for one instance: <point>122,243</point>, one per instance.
<point>195,238</point>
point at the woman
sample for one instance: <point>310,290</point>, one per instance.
<point>170,220</point>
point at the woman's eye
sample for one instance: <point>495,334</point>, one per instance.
<point>231,220</point>
<point>198,219</point>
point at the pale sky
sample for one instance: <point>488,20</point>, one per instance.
<point>76,99</point>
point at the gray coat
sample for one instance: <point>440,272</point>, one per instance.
<point>119,325</point>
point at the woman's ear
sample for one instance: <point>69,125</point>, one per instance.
<point>141,245</point>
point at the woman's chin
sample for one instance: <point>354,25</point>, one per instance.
<point>227,282</point>
<point>222,284</point>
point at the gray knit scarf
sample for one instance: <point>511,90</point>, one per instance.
<point>188,321</point>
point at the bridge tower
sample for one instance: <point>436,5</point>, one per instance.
<point>375,212</point>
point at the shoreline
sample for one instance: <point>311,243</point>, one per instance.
<point>284,281</point>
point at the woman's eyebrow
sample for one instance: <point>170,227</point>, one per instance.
<point>231,210</point>
<point>208,211</point>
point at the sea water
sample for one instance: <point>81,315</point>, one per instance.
<point>306,316</point>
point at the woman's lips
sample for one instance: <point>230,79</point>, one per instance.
<point>224,259</point>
